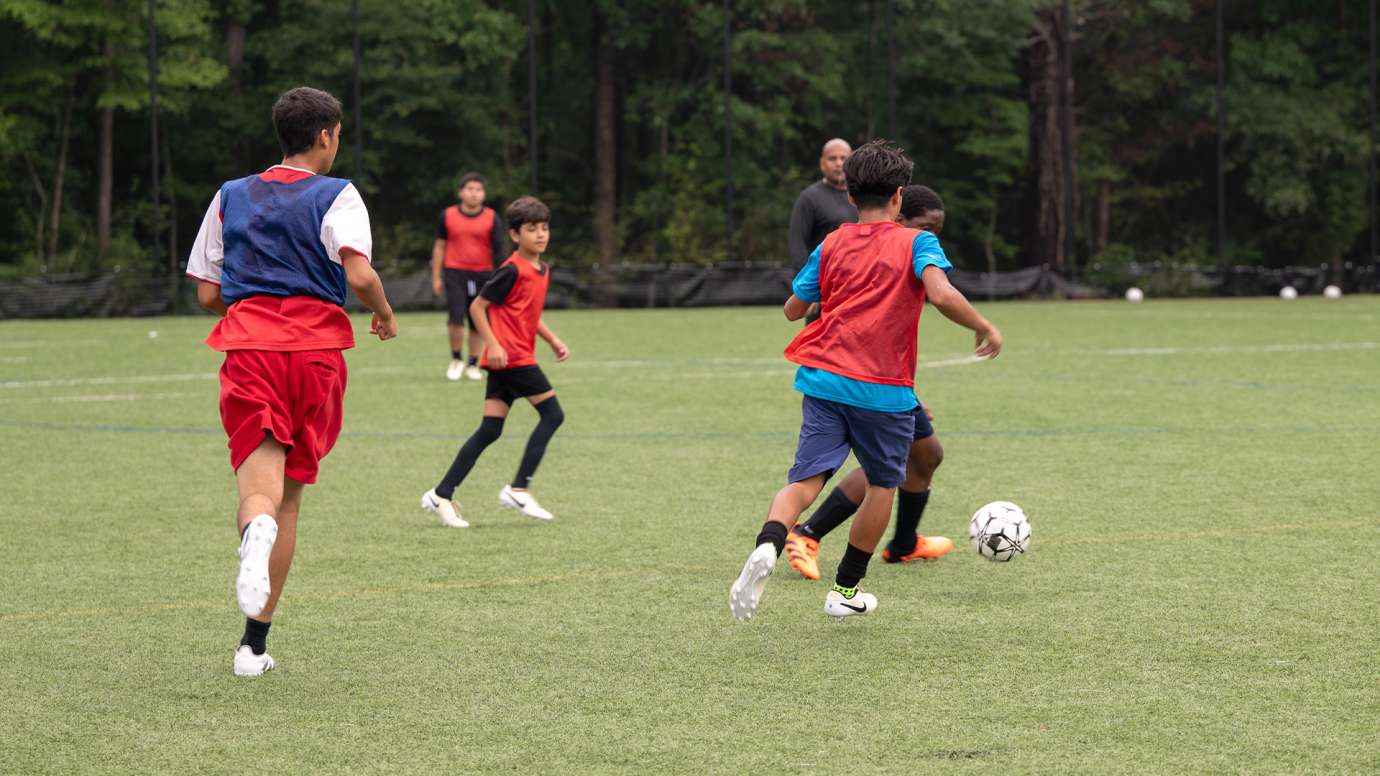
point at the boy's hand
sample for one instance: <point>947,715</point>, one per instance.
<point>384,328</point>
<point>560,349</point>
<point>437,287</point>
<point>498,357</point>
<point>929,415</point>
<point>988,343</point>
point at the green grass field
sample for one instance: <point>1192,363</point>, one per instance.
<point>1201,596</point>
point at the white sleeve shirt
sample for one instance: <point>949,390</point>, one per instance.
<point>208,251</point>
<point>346,225</point>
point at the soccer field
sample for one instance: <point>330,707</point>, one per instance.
<point>1201,595</point>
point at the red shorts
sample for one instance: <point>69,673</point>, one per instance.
<point>294,396</point>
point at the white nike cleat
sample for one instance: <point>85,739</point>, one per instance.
<point>249,664</point>
<point>523,502</point>
<point>455,370</point>
<point>746,592</point>
<point>443,508</point>
<point>838,606</point>
<point>251,585</point>
<point>474,373</point>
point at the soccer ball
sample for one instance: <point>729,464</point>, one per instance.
<point>999,531</point>
<point>1288,293</point>
<point>1332,292</point>
<point>1134,294</point>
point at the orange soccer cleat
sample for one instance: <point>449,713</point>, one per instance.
<point>803,553</point>
<point>926,548</point>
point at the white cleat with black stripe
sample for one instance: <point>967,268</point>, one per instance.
<point>249,664</point>
<point>746,592</point>
<point>523,502</point>
<point>444,509</point>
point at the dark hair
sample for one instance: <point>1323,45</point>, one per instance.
<point>875,171</point>
<point>471,177</point>
<point>918,200</point>
<point>526,210</point>
<point>301,113</point>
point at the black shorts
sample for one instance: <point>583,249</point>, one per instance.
<point>509,385</point>
<point>462,287</point>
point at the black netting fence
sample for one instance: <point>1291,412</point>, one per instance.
<point>681,285</point>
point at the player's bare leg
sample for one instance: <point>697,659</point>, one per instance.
<point>476,341</point>
<point>260,481</point>
<point>281,559</point>
<point>925,457</point>
<point>870,522</point>
<point>456,333</point>
<point>846,599</point>
<point>785,510</point>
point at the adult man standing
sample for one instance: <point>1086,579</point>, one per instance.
<point>823,205</point>
<point>469,240</point>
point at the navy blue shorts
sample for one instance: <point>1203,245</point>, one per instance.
<point>923,428</point>
<point>829,430</point>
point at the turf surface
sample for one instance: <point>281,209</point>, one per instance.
<point>1201,595</point>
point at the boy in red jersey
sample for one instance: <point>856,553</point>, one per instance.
<point>857,370</point>
<point>921,208</point>
<point>273,257</point>
<point>469,238</point>
<point>507,315</point>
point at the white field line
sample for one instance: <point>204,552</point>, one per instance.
<point>128,380</point>
<point>101,397</point>
<point>1298,348</point>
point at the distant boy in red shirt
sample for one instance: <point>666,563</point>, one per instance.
<point>857,370</point>
<point>469,239</point>
<point>273,257</point>
<point>507,315</point>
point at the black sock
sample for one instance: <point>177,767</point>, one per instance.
<point>490,429</point>
<point>835,510</point>
<point>772,532</point>
<point>474,360</point>
<point>910,507</point>
<point>455,354</point>
<point>255,635</point>
<point>551,419</point>
<point>853,567</point>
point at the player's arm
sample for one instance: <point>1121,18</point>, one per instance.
<point>479,319</point>
<point>805,287</point>
<point>438,257</point>
<point>208,296</point>
<point>954,305</point>
<point>557,346</point>
<point>365,282</point>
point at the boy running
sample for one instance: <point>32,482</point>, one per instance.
<point>273,257</point>
<point>507,315</point>
<point>469,238</point>
<point>857,370</point>
<point>921,208</point>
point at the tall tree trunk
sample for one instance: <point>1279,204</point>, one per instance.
<point>605,148</point>
<point>1045,216</point>
<point>234,62</point>
<point>105,164</point>
<point>1102,234</point>
<point>990,236</point>
<point>60,173</point>
<point>170,183</point>
<point>42,206</point>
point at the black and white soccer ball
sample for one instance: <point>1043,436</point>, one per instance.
<point>999,531</point>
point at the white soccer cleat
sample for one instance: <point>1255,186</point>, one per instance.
<point>249,664</point>
<point>838,606</point>
<point>474,373</point>
<point>444,509</point>
<point>251,585</point>
<point>523,502</point>
<point>455,370</point>
<point>746,592</point>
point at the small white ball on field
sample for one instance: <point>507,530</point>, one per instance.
<point>1134,294</point>
<point>1289,293</point>
<point>1332,292</point>
<point>153,334</point>
<point>999,531</point>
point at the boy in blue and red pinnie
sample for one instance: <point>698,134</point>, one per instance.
<point>273,258</point>
<point>507,314</point>
<point>857,370</point>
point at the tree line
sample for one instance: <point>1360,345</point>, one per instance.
<point>617,110</point>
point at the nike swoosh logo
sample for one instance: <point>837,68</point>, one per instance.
<point>858,609</point>
<point>517,501</point>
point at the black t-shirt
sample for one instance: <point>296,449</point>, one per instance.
<point>818,210</point>
<point>501,283</point>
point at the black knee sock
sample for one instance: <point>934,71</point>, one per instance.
<point>490,429</point>
<point>852,568</point>
<point>551,419</point>
<point>910,507</point>
<point>255,635</point>
<point>772,533</point>
<point>835,510</point>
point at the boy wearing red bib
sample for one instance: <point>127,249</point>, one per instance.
<point>857,370</point>
<point>507,315</point>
